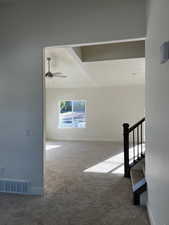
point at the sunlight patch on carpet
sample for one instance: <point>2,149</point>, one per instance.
<point>51,147</point>
<point>108,165</point>
<point>114,164</point>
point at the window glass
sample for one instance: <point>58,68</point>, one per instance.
<point>72,114</point>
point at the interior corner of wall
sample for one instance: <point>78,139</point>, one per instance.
<point>37,191</point>
<point>150,215</point>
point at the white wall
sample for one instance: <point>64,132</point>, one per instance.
<point>107,109</point>
<point>25,28</point>
<point>157,113</point>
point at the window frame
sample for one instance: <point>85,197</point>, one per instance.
<point>72,111</point>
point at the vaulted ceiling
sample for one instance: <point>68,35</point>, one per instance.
<point>119,64</point>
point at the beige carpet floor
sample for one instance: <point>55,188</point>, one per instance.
<point>81,188</point>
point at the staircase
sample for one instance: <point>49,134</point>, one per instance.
<point>134,158</point>
<point>138,181</point>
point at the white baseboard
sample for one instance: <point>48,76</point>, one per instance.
<point>150,215</point>
<point>83,139</point>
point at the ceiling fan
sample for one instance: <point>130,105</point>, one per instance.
<point>49,74</point>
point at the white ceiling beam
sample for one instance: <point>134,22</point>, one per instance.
<point>76,55</point>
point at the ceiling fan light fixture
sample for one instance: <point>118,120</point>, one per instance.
<point>49,74</point>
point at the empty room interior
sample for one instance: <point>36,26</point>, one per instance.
<point>91,91</point>
<point>84,125</point>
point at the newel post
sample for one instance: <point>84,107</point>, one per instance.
<point>126,149</point>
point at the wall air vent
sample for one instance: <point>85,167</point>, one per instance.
<point>14,186</point>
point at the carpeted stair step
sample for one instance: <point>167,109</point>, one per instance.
<point>138,180</point>
<point>140,165</point>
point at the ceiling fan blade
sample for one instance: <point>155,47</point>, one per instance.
<point>49,74</point>
<point>59,75</point>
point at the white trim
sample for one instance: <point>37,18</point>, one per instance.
<point>150,215</point>
<point>97,43</point>
<point>85,139</point>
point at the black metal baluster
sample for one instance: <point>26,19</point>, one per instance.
<point>141,139</point>
<point>126,150</point>
<point>134,155</point>
<point>144,138</point>
<point>138,142</point>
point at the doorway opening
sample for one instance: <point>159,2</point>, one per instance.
<point>90,91</point>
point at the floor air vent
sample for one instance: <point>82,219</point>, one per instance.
<point>14,186</point>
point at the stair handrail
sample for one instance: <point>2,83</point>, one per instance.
<point>126,132</point>
<point>136,124</point>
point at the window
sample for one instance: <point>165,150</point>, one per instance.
<point>72,114</point>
